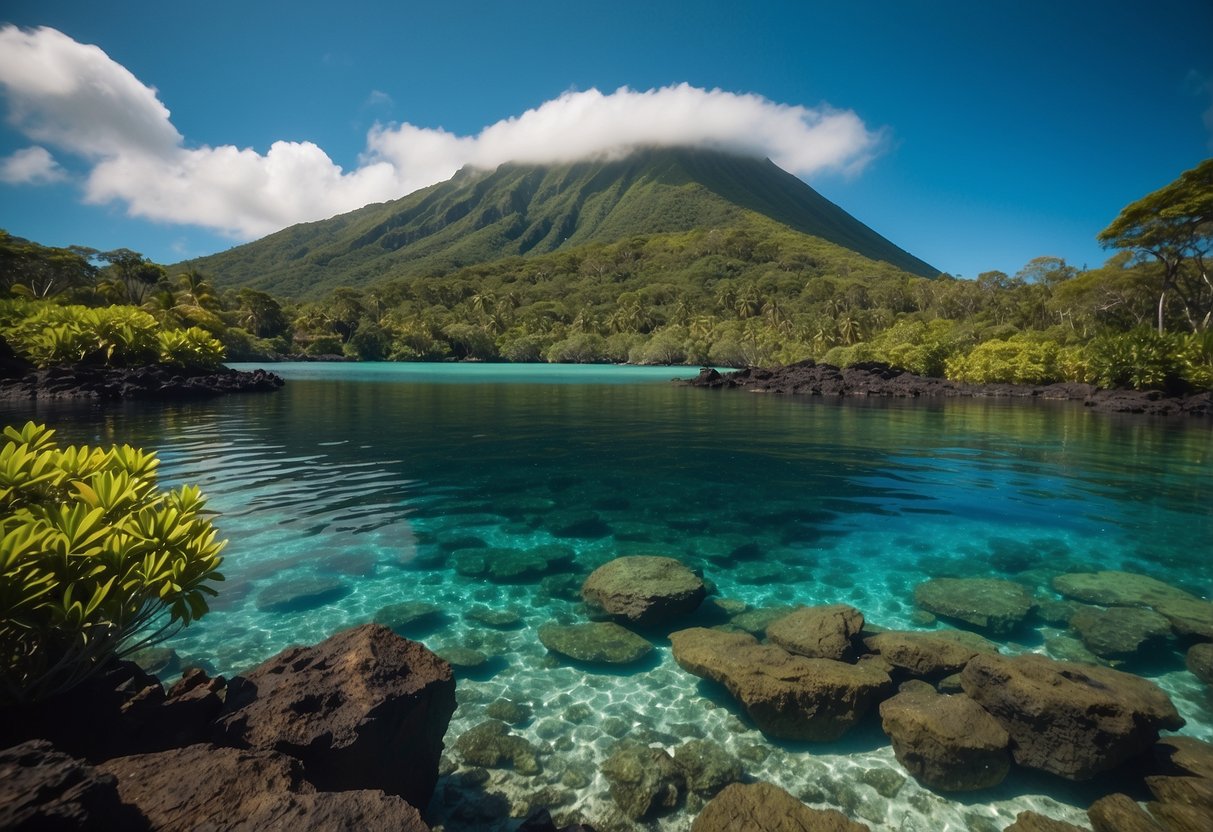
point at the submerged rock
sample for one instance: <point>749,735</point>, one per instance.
<point>1119,632</point>
<point>787,696</point>
<point>989,603</point>
<point>1120,813</point>
<point>509,711</point>
<point>644,781</point>
<point>491,745</point>
<point>465,657</point>
<point>643,589</point>
<point>1199,660</point>
<point>1184,756</point>
<point>756,621</point>
<point>938,653</point>
<point>506,565</point>
<point>1188,616</point>
<point>301,594</point>
<point>761,807</point>
<point>599,642</point>
<point>409,617</point>
<point>707,767</point>
<point>345,708</point>
<point>507,619</point>
<point>1069,719</point>
<point>1028,821</point>
<point>948,743</point>
<point>1117,589</point>
<point>824,632</point>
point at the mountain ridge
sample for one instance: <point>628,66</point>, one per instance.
<point>479,216</point>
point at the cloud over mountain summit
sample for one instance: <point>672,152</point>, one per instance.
<point>72,98</point>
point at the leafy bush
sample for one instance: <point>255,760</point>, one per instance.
<point>95,560</point>
<point>1142,359</point>
<point>1015,360</point>
<point>191,347</point>
<point>114,336</point>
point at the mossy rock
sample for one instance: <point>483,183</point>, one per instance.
<point>491,745</point>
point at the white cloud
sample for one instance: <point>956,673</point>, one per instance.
<point>74,97</point>
<point>31,166</point>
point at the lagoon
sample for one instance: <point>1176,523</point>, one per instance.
<point>355,486</point>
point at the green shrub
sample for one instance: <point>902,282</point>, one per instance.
<point>191,347</point>
<point>95,560</point>
<point>1015,360</point>
<point>1141,359</point>
<point>1196,360</point>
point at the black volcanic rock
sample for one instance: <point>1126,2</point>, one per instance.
<point>155,381</point>
<point>874,379</point>
<point>346,708</point>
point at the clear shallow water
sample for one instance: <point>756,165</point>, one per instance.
<point>367,477</point>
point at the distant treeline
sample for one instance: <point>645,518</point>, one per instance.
<point>755,293</point>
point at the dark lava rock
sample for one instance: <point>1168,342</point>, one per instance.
<point>643,589</point>
<point>989,603</point>
<point>1028,821</point>
<point>928,655</point>
<point>301,594</point>
<point>788,697</point>
<point>825,632</point>
<point>876,379</point>
<point>1069,719</point>
<point>210,787</point>
<point>1119,632</point>
<point>761,807</point>
<point>644,781</point>
<point>599,642</point>
<point>948,743</point>
<point>121,710</point>
<point>43,789</point>
<point>345,708</point>
<point>491,745</point>
<point>155,381</point>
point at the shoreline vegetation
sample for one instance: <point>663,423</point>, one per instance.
<point>743,290</point>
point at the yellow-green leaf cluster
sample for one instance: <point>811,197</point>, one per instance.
<point>95,560</point>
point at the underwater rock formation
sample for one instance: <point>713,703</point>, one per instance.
<point>1069,719</point>
<point>644,590</point>
<point>947,743</point>
<point>992,604</point>
<point>601,642</point>
<point>787,696</point>
<point>761,807</point>
<point>823,632</point>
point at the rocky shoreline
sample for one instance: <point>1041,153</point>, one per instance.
<point>154,381</point>
<point>879,380</point>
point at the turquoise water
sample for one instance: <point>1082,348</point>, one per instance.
<point>357,484</point>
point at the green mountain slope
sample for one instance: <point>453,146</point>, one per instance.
<point>524,210</point>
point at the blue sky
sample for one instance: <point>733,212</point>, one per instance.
<point>975,135</point>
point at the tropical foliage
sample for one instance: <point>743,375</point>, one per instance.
<point>95,560</point>
<point>112,336</point>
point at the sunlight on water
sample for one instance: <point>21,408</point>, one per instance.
<point>357,487</point>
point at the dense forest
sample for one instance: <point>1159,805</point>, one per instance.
<point>751,293</point>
